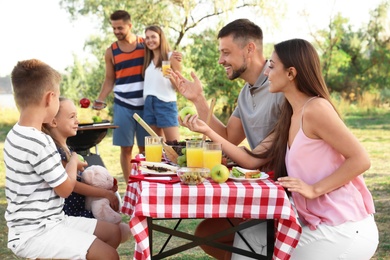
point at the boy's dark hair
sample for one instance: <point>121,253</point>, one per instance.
<point>31,79</point>
<point>242,30</point>
<point>120,15</point>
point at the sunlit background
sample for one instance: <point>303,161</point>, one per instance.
<point>41,29</point>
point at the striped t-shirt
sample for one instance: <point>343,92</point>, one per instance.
<point>129,82</point>
<point>33,169</point>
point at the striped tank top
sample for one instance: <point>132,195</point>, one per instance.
<point>129,83</point>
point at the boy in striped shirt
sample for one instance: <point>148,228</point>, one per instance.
<point>37,183</point>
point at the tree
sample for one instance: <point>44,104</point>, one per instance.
<point>334,58</point>
<point>378,51</point>
<point>179,18</point>
<point>355,62</point>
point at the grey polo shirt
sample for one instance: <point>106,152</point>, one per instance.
<point>258,109</point>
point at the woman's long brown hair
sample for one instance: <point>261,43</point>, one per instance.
<point>301,55</point>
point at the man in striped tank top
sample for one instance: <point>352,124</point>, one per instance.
<point>124,61</point>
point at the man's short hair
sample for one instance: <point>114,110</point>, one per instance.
<point>120,15</point>
<point>31,79</point>
<point>242,30</point>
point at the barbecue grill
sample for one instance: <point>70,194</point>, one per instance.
<point>87,137</point>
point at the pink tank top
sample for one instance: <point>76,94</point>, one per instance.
<point>312,160</point>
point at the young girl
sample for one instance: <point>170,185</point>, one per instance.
<point>64,125</point>
<point>160,109</point>
<point>315,157</point>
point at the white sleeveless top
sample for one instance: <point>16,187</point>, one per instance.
<point>155,84</point>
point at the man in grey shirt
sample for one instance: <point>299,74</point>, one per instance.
<point>241,54</point>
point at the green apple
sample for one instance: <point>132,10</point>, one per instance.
<point>81,158</point>
<point>219,173</point>
<point>188,110</point>
<point>96,119</point>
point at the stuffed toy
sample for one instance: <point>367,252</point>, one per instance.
<point>98,176</point>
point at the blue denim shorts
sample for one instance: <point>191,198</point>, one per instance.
<point>128,127</point>
<point>159,113</point>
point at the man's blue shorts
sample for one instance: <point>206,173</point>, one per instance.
<point>159,113</point>
<point>128,127</point>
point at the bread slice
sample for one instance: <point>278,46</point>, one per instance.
<point>249,175</point>
<point>246,172</point>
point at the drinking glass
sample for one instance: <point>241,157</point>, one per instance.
<point>166,64</point>
<point>153,148</point>
<point>194,153</point>
<point>212,154</point>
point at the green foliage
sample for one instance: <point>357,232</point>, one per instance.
<point>385,95</point>
<point>355,62</point>
<point>85,78</point>
<point>178,18</point>
<point>74,83</point>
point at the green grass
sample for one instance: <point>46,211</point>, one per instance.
<point>372,130</point>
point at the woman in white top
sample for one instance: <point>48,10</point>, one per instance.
<point>160,109</point>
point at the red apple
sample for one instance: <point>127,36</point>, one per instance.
<point>84,102</point>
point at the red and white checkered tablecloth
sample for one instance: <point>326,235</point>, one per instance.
<point>251,200</point>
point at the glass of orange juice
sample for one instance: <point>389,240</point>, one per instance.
<point>153,148</point>
<point>194,153</point>
<point>212,154</point>
<point>166,64</point>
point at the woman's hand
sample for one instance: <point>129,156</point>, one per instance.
<point>177,55</point>
<point>299,186</point>
<point>194,124</point>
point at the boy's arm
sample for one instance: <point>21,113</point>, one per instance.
<point>66,188</point>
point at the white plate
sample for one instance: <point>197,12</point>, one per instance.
<point>144,170</point>
<point>262,177</point>
<point>151,172</point>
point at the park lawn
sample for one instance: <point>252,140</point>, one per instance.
<point>372,131</point>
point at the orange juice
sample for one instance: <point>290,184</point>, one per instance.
<point>211,158</point>
<point>194,157</point>
<point>164,67</point>
<point>153,152</point>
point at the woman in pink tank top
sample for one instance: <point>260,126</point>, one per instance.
<point>320,162</point>
<point>315,158</point>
